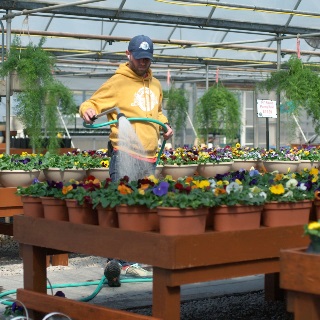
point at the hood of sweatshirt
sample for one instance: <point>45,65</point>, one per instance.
<point>126,71</point>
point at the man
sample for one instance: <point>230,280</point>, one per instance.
<point>135,93</point>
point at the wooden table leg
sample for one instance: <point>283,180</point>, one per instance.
<point>305,306</point>
<point>34,272</point>
<point>166,300</point>
<point>272,288</point>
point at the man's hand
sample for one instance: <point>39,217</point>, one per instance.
<point>89,115</point>
<point>167,135</point>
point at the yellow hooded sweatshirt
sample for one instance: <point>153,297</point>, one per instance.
<point>135,96</point>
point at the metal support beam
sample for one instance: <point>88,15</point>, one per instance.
<point>131,15</point>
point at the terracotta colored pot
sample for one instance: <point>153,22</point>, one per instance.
<point>316,204</point>
<point>137,218</point>
<point>32,207</point>
<point>277,214</point>
<point>176,221</point>
<point>107,217</point>
<point>54,209</point>
<point>237,217</point>
<point>81,214</point>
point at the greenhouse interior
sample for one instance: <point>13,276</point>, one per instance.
<point>239,86</point>
<point>196,44</point>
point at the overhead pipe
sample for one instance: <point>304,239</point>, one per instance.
<point>224,5</point>
<point>44,9</point>
<point>181,43</point>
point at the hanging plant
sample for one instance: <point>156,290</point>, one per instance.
<point>299,85</point>
<point>41,95</point>
<point>218,112</point>
<point>177,107</point>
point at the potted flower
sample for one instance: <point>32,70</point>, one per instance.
<point>179,162</point>
<point>289,197</point>
<point>309,157</point>
<point>134,207</point>
<point>312,229</point>
<point>31,198</point>
<point>182,205</point>
<point>64,167</point>
<point>104,200</point>
<point>97,163</point>
<point>214,161</point>
<point>245,157</point>
<point>78,198</point>
<point>281,160</point>
<point>19,169</point>
<point>239,198</point>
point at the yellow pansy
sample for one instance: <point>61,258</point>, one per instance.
<point>314,225</point>
<point>277,189</point>
<point>201,184</point>
<point>314,171</point>
<point>153,179</point>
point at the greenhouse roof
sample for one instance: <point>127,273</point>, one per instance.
<point>235,40</point>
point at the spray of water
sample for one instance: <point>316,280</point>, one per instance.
<point>127,166</point>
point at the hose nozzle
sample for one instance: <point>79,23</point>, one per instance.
<point>120,115</point>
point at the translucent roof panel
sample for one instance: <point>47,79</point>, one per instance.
<point>92,36</point>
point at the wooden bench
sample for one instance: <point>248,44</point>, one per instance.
<point>176,260</point>
<point>299,275</point>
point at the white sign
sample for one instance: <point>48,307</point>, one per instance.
<point>266,109</point>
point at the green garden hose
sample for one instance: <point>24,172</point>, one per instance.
<point>99,284</point>
<point>99,125</point>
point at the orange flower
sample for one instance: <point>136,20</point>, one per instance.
<point>123,189</point>
<point>188,179</point>
<point>66,189</point>
<point>218,191</point>
<point>144,186</point>
<point>317,195</point>
<point>278,177</point>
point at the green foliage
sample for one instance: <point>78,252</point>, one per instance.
<point>177,107</point>
<point>36,189</point>
<point>65,161</point>
<point>25,161</point>
<point>218,112</point>
<point>42,95</point>
<point>300,85</point>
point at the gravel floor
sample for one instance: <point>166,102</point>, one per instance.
<point>249,306</point>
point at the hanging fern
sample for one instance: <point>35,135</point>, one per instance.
<point>299,84</point>
<point>177,107</point>
<point>38,102</point>
<point>218,112</point>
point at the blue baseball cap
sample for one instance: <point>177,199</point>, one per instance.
<point>141,47</point>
